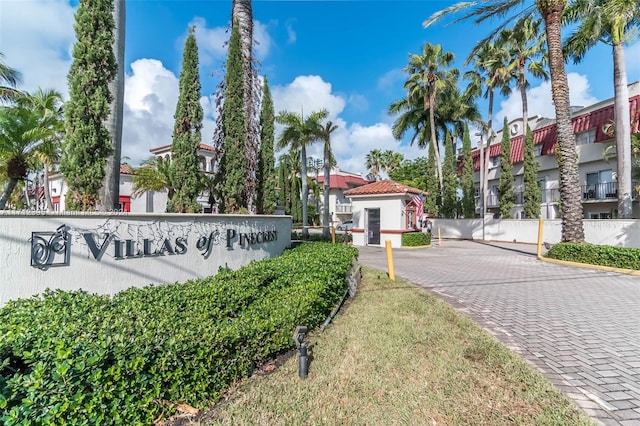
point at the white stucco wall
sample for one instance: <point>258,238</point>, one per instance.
<point>614,232</point>
<point>391,218</point>
<point>180,259</point>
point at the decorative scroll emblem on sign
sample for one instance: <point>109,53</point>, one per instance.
<point>51,248</point>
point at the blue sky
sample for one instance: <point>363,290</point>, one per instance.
<point>345,56</point>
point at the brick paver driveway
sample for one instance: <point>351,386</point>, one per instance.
<point>580,327</point>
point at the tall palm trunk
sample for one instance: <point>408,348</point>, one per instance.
<point>522,85</point>
<point>110,192</point>
<point>242,14</point>
<point>434,141</point>
<point>47,192</point>
<point>326,218</point>
<point>572,227</point>
<point>485,177</point>
<point>8,190</point>
<point>622,132</point>
<point>305,190</point>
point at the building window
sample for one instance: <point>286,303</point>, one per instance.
<point>494,162</point>
<point>149,208</point>
<point>542,184</point>
<point>585,138</point>
<point>537,150</point>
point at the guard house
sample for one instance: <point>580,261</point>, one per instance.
<point>384,210</point>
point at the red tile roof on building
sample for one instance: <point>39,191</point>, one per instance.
<point>547,135</point>
<point>383,187</point>
<point>126,169</point>
<point>167,148</point>
<point>343,182</point>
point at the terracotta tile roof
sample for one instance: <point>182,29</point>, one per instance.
<point>383,187</point>
<point>343,182</point>
<point>126,169</point>
<point>156,150</point>
<point>547,135</point>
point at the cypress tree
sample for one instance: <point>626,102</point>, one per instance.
<point>233,163</point>
<point>266,175</point>
<point>449,180</point>
<point>532,194</point>
<point>468,190</point>
<point>432,185</point>
<point>87,142</point>
<point>186,177</point>
<point>506,174</point>
<point>282,183</point>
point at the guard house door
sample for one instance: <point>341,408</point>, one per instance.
<point>373,226</point>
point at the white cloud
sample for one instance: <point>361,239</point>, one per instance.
<point>36,38</point>
<point>391,80</point>
<point>151,94</point>
<point>540,102</point>
<point>291,34</point>
<point>350,142</point>
<point>212,42</point>
<point>358,102</point>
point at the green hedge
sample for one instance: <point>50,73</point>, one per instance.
<point>617,257</point>
<point>76,358</point>
<point>413,239</point>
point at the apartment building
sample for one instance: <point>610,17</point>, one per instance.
<point>597,167</point>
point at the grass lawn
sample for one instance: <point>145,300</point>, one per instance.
<point>398,355</point>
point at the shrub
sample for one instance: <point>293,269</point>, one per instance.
<point>413,239</point>
<point>76,358</point>
<point>617,257</point>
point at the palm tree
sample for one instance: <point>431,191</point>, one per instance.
<point>551,11</point>
<point>24,132</point>
<point>609,21</point>
<point>391,160</point>
<point>109,194</point>
<point>9,80</point>
<point>48,103</point>
<point>374,162</point>
<point>329,160</point>
<point>429,74</point>
<point>297,134</point>
<point>153,175</point>
<point>490,73</point>
<point>526,44</point>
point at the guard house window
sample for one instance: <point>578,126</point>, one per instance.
<point>585,138</point>
<point>149,205</point>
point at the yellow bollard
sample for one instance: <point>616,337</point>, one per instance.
<point>540,228</point>
<point>392,274</point>
<point>439,238</point>
<point>333,234</point>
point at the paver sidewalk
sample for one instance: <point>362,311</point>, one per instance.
<point>580,327</point>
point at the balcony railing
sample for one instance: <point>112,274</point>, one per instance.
<point>600,191</point>
<point>344,208</point>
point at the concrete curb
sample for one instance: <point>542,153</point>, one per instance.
<point>589,266</point>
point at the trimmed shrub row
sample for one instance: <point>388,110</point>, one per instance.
<point>617,257</point>
<point>73,358</point>
<point>413,239</point>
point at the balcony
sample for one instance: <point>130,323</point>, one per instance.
<point>344,208</point>
<point>600,191</point>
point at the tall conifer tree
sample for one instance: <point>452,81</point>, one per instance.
<point>87,142</point>
<point>266,177</point>
<point>186,177</point>
<point>506,174</point>
<point>233,164</point>
<point>449,180</point>
<point>532,194</point>
<point>468,191</point>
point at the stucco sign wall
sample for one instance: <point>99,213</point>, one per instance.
<point>109,253</point>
